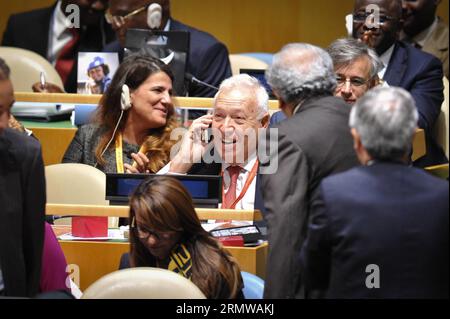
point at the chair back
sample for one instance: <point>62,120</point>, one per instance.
<point>239,61</point>
<point>26,67</point>
<point>143,283</point>
<point>74,183</point>
<point>253,286</point>
<point>441,127</point>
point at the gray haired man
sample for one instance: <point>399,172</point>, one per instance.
<point>313,143</point>
<point>379,230</point>
<point>356,67</point>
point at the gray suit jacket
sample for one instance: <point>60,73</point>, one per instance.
<point>314,143</point>
<point>437,45</point>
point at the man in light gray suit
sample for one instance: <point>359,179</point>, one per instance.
<point>314,142</point>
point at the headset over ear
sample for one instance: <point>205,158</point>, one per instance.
<point>154,16</point>
<point>125,99</point>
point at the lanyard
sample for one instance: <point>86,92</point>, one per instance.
<point>119,153</point>
<point>247,184</point>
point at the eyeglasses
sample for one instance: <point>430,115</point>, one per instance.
<point>121,20</point>
<point>144,233</point>
<point>354,82</point>
<point>362,17</point>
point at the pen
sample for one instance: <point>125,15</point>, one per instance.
<point>42,80</point>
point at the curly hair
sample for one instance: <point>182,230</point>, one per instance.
<point>133,71</point>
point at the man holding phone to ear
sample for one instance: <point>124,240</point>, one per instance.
<point>240,110</point>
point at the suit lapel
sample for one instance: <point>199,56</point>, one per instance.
<point>397,65</point>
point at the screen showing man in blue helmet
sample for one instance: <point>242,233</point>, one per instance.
<point>98,73</point>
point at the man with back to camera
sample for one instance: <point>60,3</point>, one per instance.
<point>380,230</point>
<point>405,66</point>
<point>424,30</point>
<point>208,58</point>
<point>22,202</point>
<point>48,32</point>
<point>313,142</point>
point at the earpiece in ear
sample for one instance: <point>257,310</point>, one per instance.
<point>154,16</point>
<point>125,99</point>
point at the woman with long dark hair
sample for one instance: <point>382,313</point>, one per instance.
<point>135,115</point>
<point>166,233</point>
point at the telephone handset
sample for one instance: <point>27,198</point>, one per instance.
<point>207,135</point>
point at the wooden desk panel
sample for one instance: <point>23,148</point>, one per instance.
<point>54,142</point>
<point>96,259</point>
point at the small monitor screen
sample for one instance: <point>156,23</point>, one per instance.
<point>203,189</point>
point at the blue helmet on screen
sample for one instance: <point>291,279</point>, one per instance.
<point>98,61</point>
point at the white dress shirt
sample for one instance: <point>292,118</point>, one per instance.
<point>386,58</point>
<point>248,201</point>
<point>58,36</point>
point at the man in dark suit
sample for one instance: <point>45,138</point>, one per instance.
<point>44,31</point>
<point>313,142</point>
<point>380,230</point>
<point>417,72</point>
<point>208,58</point>
<point>22,203</point>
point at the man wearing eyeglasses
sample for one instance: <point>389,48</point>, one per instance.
<point>208,58</point>
<point>356,67</point>
<point>50,33</point>
<point>378,23</point>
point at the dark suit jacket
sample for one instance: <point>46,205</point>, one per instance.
<point>22,211</point>
<point>30,30</point>
<point>314,143</point>
<point>387,214</point>
<point>420,74</point>
<point>208,59</point>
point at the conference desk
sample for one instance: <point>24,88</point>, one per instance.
<point>95,259</point>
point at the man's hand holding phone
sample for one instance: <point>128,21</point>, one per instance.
<point>193,145</point>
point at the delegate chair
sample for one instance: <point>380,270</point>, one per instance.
<point>253,286</point>
<point>239,61</point>
<point>143,283</point>
<point>26,67</point>
<point>76,184</point>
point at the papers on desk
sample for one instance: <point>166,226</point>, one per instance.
<point>42,112</point>
<point>113,234</point>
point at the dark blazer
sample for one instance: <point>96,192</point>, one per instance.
<point>30,30</point>
<point>22,211</point>
<point>314,143</point>
<point>420,74</point>
<point>387,214</point>
<point>208,59</point>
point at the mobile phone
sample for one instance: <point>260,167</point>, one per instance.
<point>207,135</point>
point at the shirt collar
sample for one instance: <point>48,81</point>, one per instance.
<point>385,58</point>
<point>247,166</point>
<point>60,21</point>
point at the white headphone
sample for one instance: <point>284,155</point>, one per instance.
<point>154,16</point>
<point>125,99</point>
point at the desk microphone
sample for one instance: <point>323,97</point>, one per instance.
<point>193,79</point>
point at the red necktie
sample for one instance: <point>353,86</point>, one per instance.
<point>230,196</point>
<point>66,58</point>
